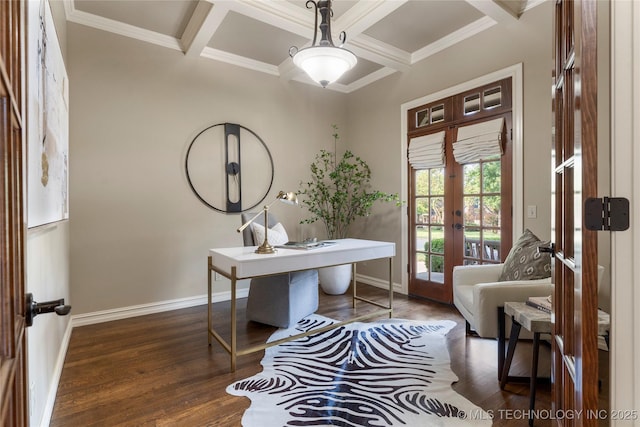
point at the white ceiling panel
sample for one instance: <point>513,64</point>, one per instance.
<point>244,36</point>
<point>423,23</point>
<point>167,17</point>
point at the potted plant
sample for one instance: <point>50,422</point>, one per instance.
<point>338,193</point>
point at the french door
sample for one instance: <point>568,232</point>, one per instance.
<point>460,212</point>
<point>574,156</point>
<point>13,406</point>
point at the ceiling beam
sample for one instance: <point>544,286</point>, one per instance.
<point>381,53</point>
<point>496,11</point>
<point>365,14</point>
<point>126,30</point>
<point>278,13</point>
<point>203,24</point>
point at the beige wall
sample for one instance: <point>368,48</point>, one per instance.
<point>374,111</point>
<point>138,233</point>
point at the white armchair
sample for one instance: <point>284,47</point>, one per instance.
<point>477,294</point>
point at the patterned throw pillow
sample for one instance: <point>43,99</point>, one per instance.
<point>524,262</point>
<point>277,234</point>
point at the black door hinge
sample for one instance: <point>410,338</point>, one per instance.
<point>606,214</point>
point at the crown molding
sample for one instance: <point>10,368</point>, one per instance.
<point>109,25</point>
<point>379,52</point>
<point>371,78</point>
<point>240,61</point>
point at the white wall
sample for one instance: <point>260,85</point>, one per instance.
<point>47,266</point>
<point>374,111</point>
<point>138,233</point>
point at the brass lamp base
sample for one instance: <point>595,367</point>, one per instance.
<point>265,248</point>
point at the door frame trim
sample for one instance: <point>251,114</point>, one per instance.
<point>625,182</point>
<point>515,72</point>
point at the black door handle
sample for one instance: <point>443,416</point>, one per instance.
<point>32,308</point>
<point>548,249</point>
<point>458,226</point>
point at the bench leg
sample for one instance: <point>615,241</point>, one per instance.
<point>513,339</point>
<point>501,341</point>
<point>534,375</point>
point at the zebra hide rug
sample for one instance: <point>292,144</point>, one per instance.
<point>386,373</point>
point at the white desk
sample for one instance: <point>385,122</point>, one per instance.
<point>243,263</point>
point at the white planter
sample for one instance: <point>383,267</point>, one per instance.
<point>335,280</point>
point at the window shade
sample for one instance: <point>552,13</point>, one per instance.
<point>480,141</point>
<point>427,151</point>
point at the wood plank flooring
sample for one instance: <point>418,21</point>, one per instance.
<point>158,370</point>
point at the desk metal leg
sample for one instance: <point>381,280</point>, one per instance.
<point>353,284</point>
<point>390,287</point>
<point>534,375</point>
<point>234,326</point>
<point>513,339</point>
<point>209,301</point>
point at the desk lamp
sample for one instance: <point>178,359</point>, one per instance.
<point>265,248</point>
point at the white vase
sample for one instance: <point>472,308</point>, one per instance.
<point>335,280</point>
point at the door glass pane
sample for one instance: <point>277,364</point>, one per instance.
<point>421,266</point>
<point>471,174</point>
<point>422,183</point>
<point>437,210</point>
<point>491,245</point>
<point>422,238</point>
<point>472,246</point>
<point>422,211</point>
<point>437,240</point>
<point>491,211</point>
<point>471,210</point>
<point>436,184</point>
<point>437,268</point>
<point>491,177</point>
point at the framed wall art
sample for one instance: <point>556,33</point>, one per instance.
<point>48,120</point>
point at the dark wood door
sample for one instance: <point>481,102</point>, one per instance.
<point>460,212</point>
<point>574,153</point>
<point>12,320</point>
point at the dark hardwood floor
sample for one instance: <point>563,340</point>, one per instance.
<point>158,370</point>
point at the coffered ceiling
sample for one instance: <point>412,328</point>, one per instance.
<point>387,36</point>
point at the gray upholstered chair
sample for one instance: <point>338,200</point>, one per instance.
<point>280,300</point>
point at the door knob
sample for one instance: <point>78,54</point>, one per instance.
<point>458,226</point>
<point>33,308</point>
<point>548,249</point>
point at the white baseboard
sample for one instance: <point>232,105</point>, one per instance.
<point>55,380</point>
<point>150,308</point>
<point>378,283</point>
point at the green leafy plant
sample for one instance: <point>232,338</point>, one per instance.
<point>339,191</point>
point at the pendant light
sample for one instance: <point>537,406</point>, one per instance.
<point>324,62</point>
